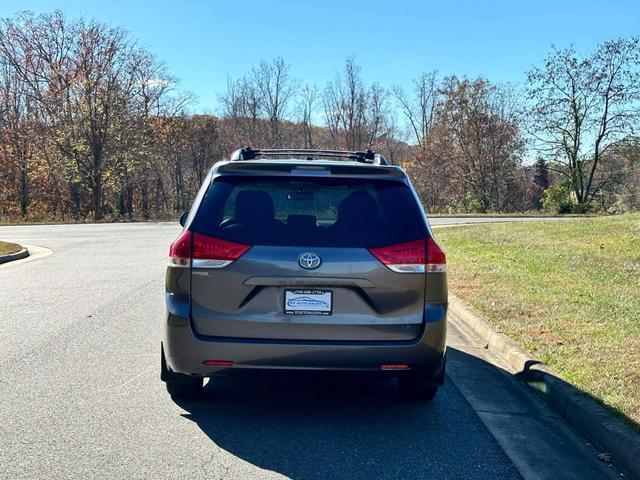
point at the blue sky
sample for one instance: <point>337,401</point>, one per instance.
<point>393,41</point>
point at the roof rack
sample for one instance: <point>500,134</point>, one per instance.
<point>249,153</point>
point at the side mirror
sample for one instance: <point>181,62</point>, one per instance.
<point>183,218</point>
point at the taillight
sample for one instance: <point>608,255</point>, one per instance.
<point>211,252</point>
<point>436,259</point>
<point>204,251</point>
<point>403,257</point>
<point>417,256</point>
<point>180,250</point>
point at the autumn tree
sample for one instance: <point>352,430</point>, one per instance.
<point>427,162</point>
<point>419,107</point>
<point>357,116</point>
<point>307,104</point>
<point>276,89</point>
<point>16,137</point>
<point>93,125</point>
<point>83,80</point>
<point>621,165</point>
<point>539,184</point>
<point>242,106</point>
<point>259,103</point>
<point>580,107</point>
<point>154,95</point>
<point>479,123</point>
<point>32,53</point>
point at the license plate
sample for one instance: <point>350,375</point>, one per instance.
<point>308,302</point>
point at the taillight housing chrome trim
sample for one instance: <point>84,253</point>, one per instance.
<point>210,263</point>
<point>407,268</point>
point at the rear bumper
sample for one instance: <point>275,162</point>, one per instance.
<point>185,351</point>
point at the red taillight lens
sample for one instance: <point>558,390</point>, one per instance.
<point>204,251</point>
<point>180,250</point>
<point>211,248</point>
<point>402,255</point>
<point>416,256</point>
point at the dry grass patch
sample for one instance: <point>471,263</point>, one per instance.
<point>7,248</point>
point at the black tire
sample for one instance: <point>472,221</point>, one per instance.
<point>185,389</point>
<point>412,389</point>
<point>179,385</point>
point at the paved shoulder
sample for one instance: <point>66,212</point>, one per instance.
<point>538,441</point>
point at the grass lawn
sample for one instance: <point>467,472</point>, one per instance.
<point>567,291</point>
<point>6,248</point>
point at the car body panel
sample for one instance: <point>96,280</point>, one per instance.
<point>233,302</point>
<point>185,351</point>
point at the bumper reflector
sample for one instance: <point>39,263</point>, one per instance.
<point>395,366</point>
<point>218,363</point>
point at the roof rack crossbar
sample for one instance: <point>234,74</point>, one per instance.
<point>364,157</point>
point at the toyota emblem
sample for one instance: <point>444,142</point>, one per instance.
<point>309,261</point>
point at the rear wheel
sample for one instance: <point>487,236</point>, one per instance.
<point>179,385</point>
<point>185,389</point>
<point>411,388</point>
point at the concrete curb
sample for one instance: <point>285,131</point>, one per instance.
<point>24,253</point>
<point>602,428</point>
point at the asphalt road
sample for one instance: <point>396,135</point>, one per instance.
<point>462,220</point>
<point>80,395</point>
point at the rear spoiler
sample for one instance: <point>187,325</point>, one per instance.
<point>318,168</point>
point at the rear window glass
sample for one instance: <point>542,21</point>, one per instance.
<point>313,212</point>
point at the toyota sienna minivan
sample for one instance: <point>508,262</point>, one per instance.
<point>305,260</point>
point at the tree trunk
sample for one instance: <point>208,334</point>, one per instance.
<point>24,192</point>
<point>74,197</point>
<point>96,192</point>
<point>144,199</point>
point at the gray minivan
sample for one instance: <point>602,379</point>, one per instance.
<point>305,260</point>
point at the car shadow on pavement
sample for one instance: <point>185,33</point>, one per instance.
<point>316,427</point>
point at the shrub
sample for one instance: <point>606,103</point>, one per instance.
<point>582,208</point>
<point>557,198</point>
<point>471,204</point>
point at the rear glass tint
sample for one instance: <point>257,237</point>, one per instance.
<point>314,212</point>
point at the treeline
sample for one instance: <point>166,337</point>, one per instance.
<point>94,126</point>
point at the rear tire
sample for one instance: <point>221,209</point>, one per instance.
<point>179,385</point>
<point>412,389</point>
<point>186,389</point>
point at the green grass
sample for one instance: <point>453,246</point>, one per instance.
<point>6,248</point>
<point>567,291</point>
